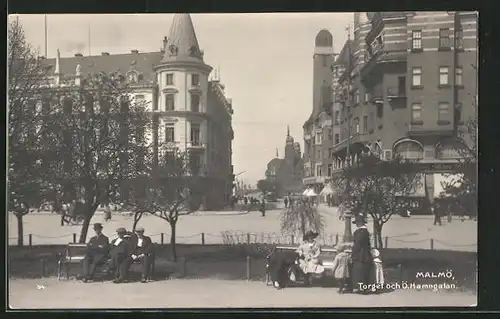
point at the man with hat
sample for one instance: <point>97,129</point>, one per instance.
<point>97,252</point>
<point>143,252</point>
<point>120,252</point>
<point>361,256</point>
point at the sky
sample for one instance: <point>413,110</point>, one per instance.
<point>265,62</point>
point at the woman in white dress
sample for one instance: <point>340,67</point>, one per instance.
<point>309,252</point>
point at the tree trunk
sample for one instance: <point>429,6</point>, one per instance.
<point>20,231</point>
<point>378,235</point>
<point>172,240</point>
<point>85,229</point>
<point>137,218</point>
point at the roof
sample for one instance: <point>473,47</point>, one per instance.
<point>342,58</point>
<point>140,62</point>
<point>182,44</point>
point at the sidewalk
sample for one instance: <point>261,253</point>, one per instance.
<point>210,293</point>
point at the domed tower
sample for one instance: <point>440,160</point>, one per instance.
<point>322,73</point>
<point>182,84</point>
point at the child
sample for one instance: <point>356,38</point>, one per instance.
<point>379,270</point>
<point>341,268</point>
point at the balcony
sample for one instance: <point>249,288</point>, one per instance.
<point>196,145</point>
<point>313,180</point>
<point>416,129</point>
<point>377,94</point>
<point>396,94</point>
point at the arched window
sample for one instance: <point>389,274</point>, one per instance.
<point>409,149</point>
<point>447,150</point>
<point>376,149</point>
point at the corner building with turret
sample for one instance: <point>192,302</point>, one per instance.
<point>187,103</point>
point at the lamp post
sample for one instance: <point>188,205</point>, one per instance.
<point>347,103</point>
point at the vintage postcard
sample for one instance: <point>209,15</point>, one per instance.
<point>274,160</point>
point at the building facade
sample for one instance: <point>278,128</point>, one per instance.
<point>189,110</point>
<point>409,88</point>
<point>318,129</point>
<point>288,171</point>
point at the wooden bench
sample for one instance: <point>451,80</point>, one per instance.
<point>327,256</point>
<point>73,254</point>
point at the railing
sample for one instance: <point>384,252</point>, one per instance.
<point>235,237</point>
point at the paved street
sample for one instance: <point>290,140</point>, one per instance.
<point>210,293</point>
<point>414,232</point>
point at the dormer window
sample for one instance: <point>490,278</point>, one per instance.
<point>132,76</point>
<point>193,51</point>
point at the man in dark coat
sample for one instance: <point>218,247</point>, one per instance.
<point>121,249</point>
<point>362,260</point>
<point>143,252</point>
<point>97,253</point>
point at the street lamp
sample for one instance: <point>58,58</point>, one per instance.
<point>347,103</point>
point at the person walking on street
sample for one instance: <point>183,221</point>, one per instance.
<point>263,208</point>
<point>437,216</point>
<point>107,213</point>
<point>285,201</point>
<point>448,213</point>
<point>341,267</point>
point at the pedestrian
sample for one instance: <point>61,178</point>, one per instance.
<point>286,202</point>
<point>341,267</point>
<point>245,200</point>
<point>362,260</point>
<point>437,216</point>
<point>107,213</point>
<point>449,214</point>
<point>379,269</point>
<point>263,208</point>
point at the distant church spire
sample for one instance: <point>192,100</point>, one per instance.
<point>277,155</point>
<point>288,130</point>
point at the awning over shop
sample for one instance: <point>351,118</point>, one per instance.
<point>327,190</point>
<point>443,180</point>
<point>309,192</point>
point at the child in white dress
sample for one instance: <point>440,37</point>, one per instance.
<point>379,270</point>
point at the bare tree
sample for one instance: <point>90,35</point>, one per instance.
<point>25,82</point>
<point>166,192</point>
<point>463,187</point>
<point>102,144</point>
<point>378,188</point>
<point>301,218</point>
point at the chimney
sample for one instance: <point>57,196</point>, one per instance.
<point>105,53</point>
<point>134,51</point>
<point>79,54</point>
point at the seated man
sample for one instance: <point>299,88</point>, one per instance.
<point>97,253</point>
<point>121,249</point>
<point>143,252</point>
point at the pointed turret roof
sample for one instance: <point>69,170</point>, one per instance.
<point>182,44</point>
<point>289,139</point>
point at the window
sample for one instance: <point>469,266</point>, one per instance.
<point>318,154</point>
<point>169,133</point>
<point>380,110</point>
<point>356,97</point>
<point>416,112</point>
<point>337,116</point>
<point>401,85</point>
<point>367,97</point>
<point>330,134</point>
<point>169,102</point>
<point>443,110</point>
<point>195,79</point>
<point>459,79</point>
<point>195,103</point>
<point>459,36</point>
<point>195,134</point>
<point>444,38</point>
<point>416,76</point>
<point>416,40</point>
<point>357,127</point>
<point>318,138</point>
<point>170,79</point>
<point>330,169</point>
<point>443,75</point>
<point>365,124</point>
<point>337,139</point>
<point>318,170</point>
